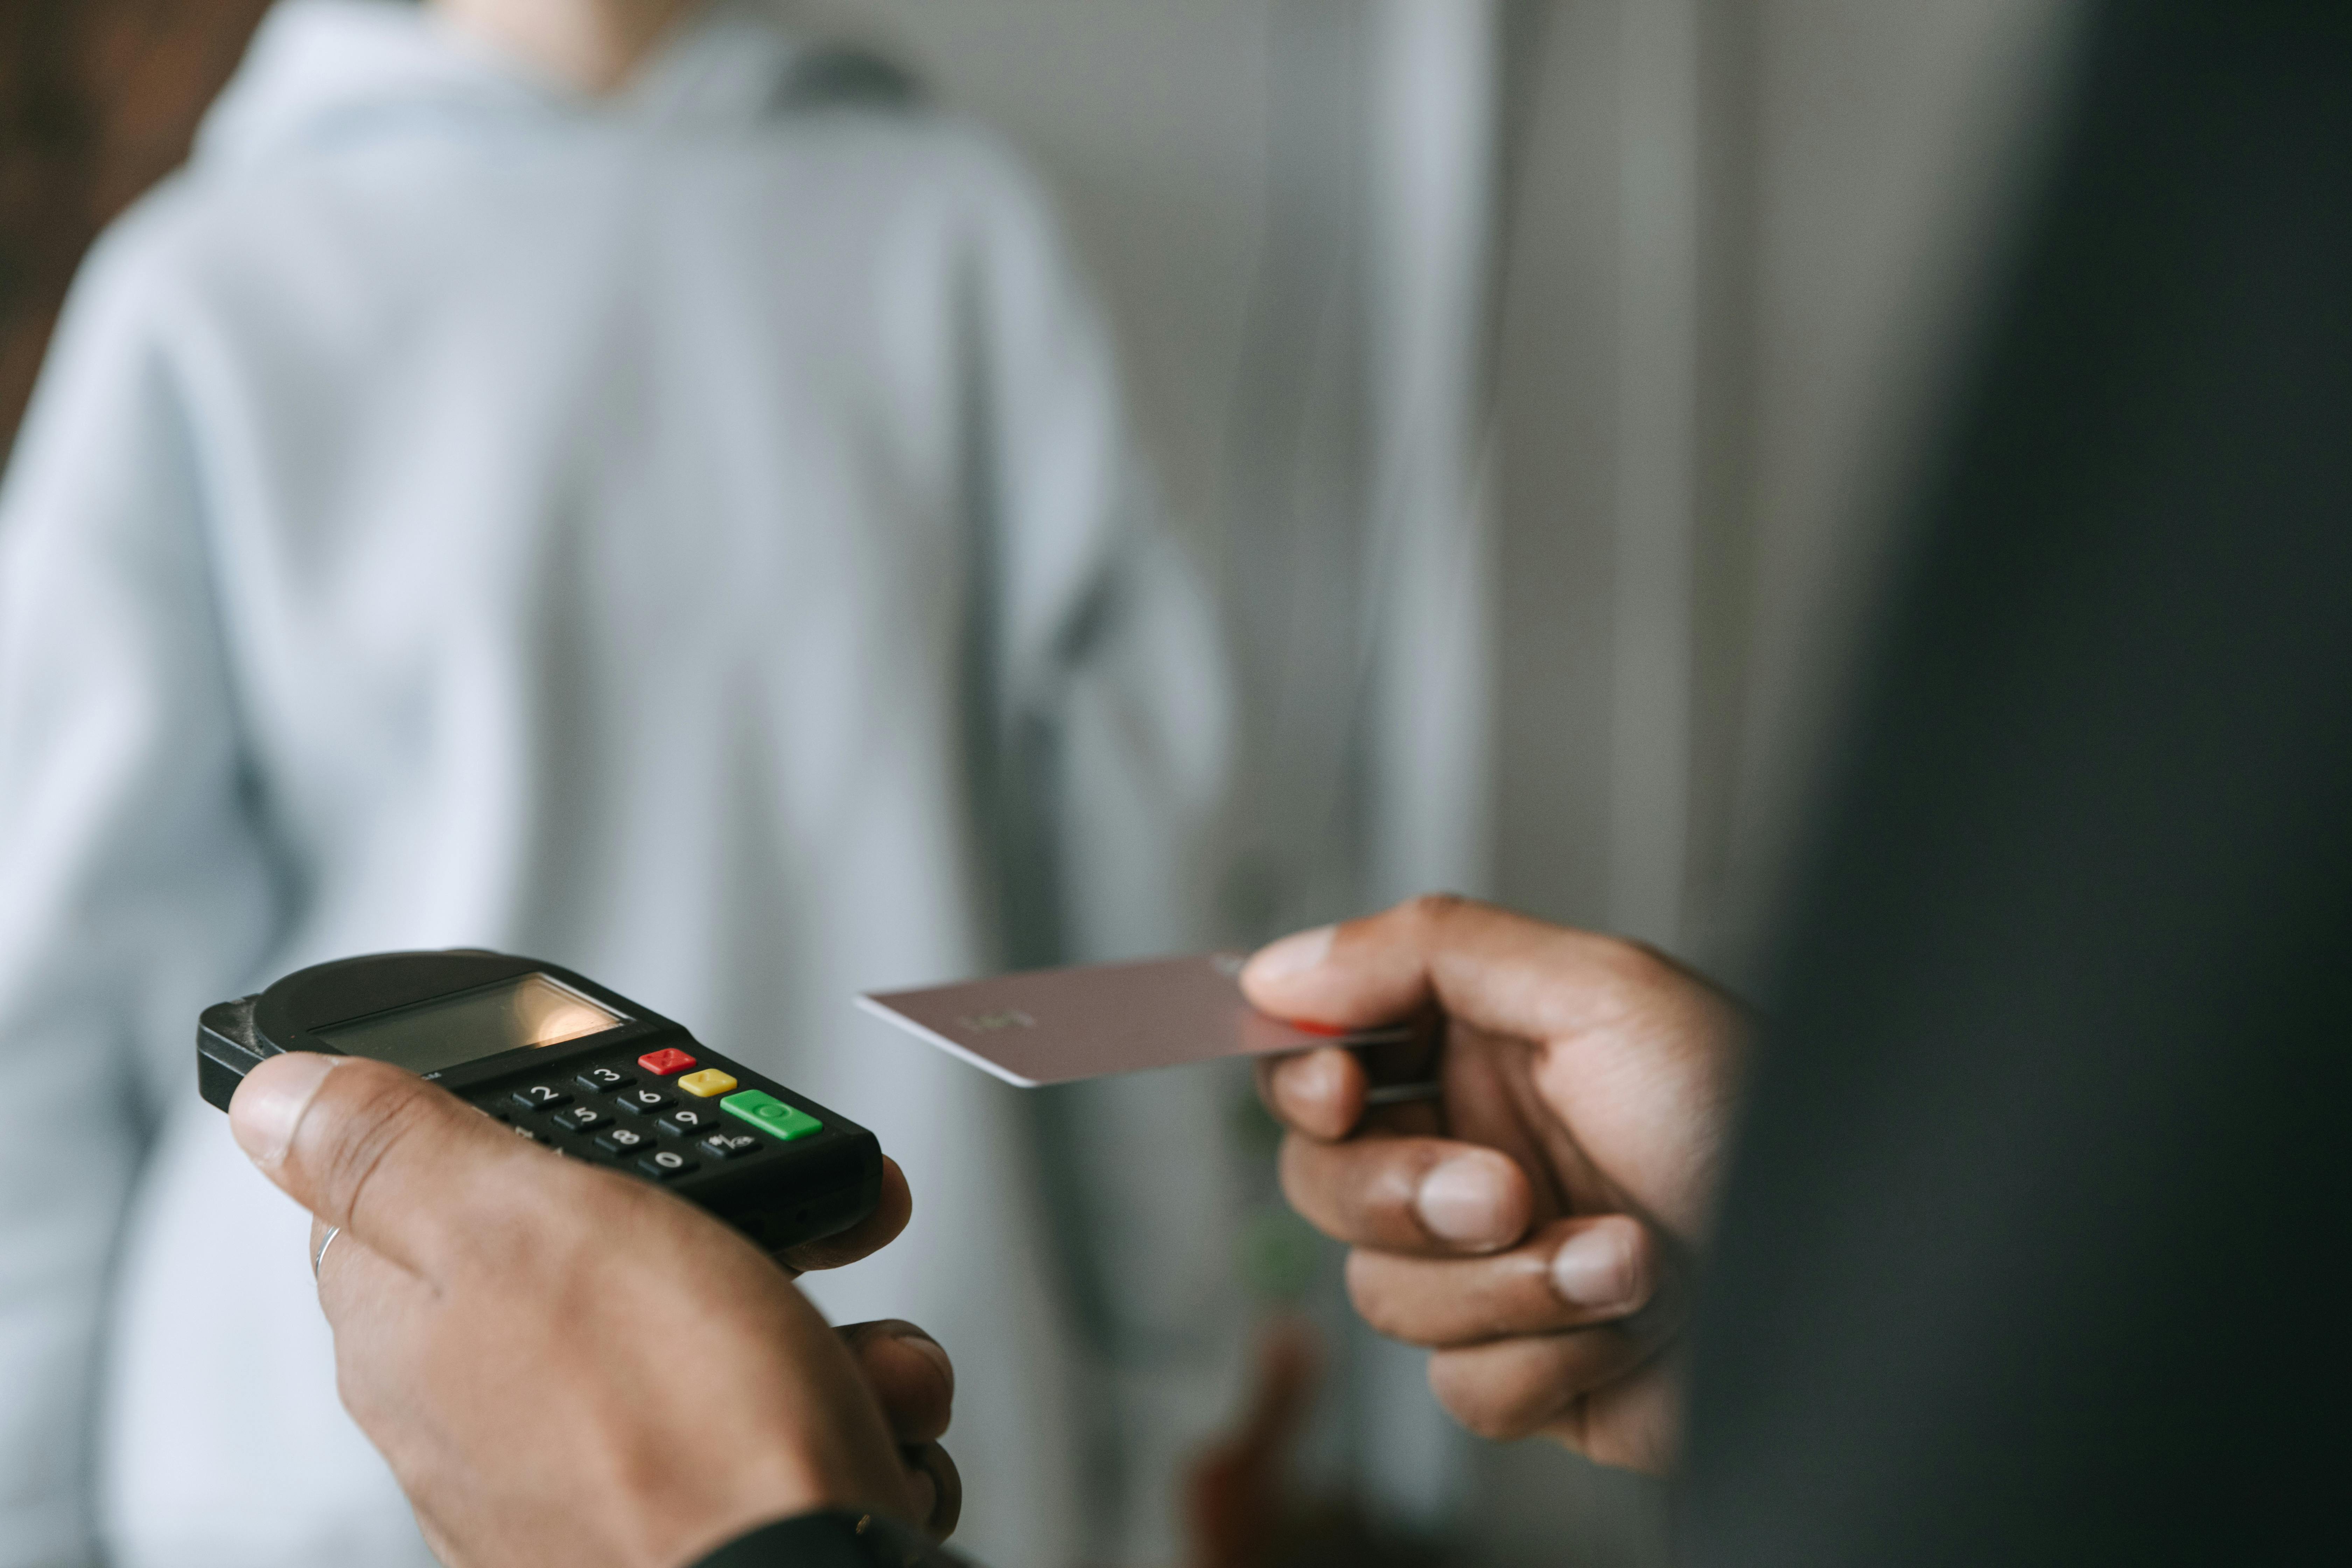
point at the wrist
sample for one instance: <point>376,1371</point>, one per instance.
<point>787,1486</point>
<point>830,1538</point>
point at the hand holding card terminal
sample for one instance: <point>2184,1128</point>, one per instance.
<point>574,1066</point>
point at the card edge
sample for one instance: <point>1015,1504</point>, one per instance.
<point>869,1002</point>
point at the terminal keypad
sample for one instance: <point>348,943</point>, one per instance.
<point>634,1117</point>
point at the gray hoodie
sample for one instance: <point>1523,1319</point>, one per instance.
<point>688,537</point>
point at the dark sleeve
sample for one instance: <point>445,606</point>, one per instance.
<point>835,1539</point>
<point>2029,1254</point>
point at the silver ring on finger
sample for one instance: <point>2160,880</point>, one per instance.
<point>325,1242</point>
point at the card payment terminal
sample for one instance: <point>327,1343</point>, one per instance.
<point>571,1065</point>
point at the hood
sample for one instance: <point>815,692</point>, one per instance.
<point>324,71</point>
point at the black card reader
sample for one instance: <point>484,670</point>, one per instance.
<point>571,1065</point>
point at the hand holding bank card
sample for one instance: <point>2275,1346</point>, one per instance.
<point>1062,1026</point>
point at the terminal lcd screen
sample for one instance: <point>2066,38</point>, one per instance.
<point>427,1037</point>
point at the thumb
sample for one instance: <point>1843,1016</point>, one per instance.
<point>380,1153</point>
<point>1484,967</point>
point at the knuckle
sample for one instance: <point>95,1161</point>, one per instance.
<point>947,1507</point>
<point>375,1114</point>
<point>1641,1270</point>
<point>1433,912</point>
<point>1573,1429</point>
<point>1300,1174</point>
<point>1467,1391</point>
<point>519,1258</point>
<point>361,1390</point>
<point>857,1336</point>
<point>1635,971</point>
<point>561,1244</point>
<point>1373,1294</point>
<point>1264,1072</point>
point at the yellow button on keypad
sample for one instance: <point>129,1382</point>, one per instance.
<point>708,1083</point>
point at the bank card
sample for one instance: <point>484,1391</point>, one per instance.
<point>1060,1026</point>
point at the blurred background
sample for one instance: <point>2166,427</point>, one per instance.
<point>1530,372</point>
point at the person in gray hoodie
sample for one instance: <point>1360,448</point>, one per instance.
<point>609,479</point>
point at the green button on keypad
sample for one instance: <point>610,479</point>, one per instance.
<point>770,1115</point>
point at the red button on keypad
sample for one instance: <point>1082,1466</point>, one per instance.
<point>662,1064</point>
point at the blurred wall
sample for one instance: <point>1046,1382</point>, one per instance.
<point>1729,245</point>
<point>1749,241</point>
<point>1723,325</point>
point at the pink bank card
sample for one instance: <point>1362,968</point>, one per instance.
<point>1059,1025</point>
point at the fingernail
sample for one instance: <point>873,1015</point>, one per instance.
<point>1461,1201</point>
<point>933,1351</point>
<point>1594,1269</point>
<point>1293,955</point>
<point>269,1104</point>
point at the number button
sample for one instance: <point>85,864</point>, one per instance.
<point>540,1096</point>
<point>604,1080</point>
<point>624,1140</point>
<point>644,1101</point>
<point>689,1121</point>
<point>528,1136</point>
<point>730,1145</point>
<point>582,1118</point>
<point>665,1164</point>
